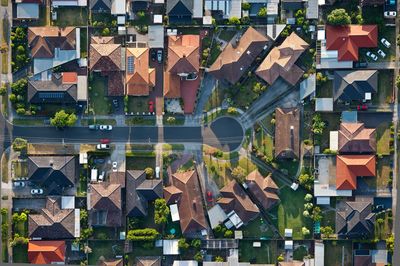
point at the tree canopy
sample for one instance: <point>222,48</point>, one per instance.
<point>339,17</point>
<point>161,211</point>
<point>61,119</point>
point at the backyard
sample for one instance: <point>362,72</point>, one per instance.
<point>258,229</point>
<point>98,100</point>
<point>71,16</point>
<point>385,88</point>
<point>20,254</point>
<point>264,143</point>
<point>338,251</point>
<point>266,254</point>
<point>104,249</point>
<point>20,169</point>
<point>383,138</point>
<point>332,122</point>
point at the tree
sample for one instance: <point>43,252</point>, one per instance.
<point>196,243</point>
<point>308,206</point>
<point>321,78</point>
<point>390,243</point>
<point>161,211</point>
<point>198,256</point>
<point>306,180</point>
<point>182,244</point>
<point>171,120</point>
<point>19,144</point>
<point>149,171</point>
<point>61,119</point>
<point>219,259</point>
<point>234,21</point>
<point>3,90</point>
<point>86,233</point>
<point>232,111</point>
<point>327,231</point>
<point>280,258</point>
<point>306,214</point>
<point>259,88</point>
<point>305,231</point>
<point>318,125</point>
<point>84,217</point>
<point>105,32</point>
<point>228,234</point>
<point>239,174</point>
<point>262,12</point>
<point>380,221</point>
<point>316,214</point>
<point>339,17</point>
<point>308,197</point>
<point>21,111</point>
<point>246,6</point>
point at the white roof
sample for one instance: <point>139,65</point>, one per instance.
<point>326,190</point>
<point>93,175</point>
<point>159,1</point>
<point>334,140</point>
<point>185,263</point>
<point>170,247</point>
<point>118,7</point>
<point>156,36</point>
<point>207,20</point>
<point>323,200</point>
<point>121,20</point>
<point>324,104</point>
<point>379,256</point>
<point>174,212</point>
<point>67,202</point>
<point>289,244</point>
<point>28,10</point>
<point>235,219</point>
<point>83,158</point>
<point>197,9</point>
<point>158,19</point>
<point>319,253</point>
<point>216,215</point>
<point>82,91</point>
<point>288,232</point>
<point>321,35</point>
<point>256,244</point>
<point>368,96</point>
<point>274,30</point>
<point>307,86</point>
<point>312,9</point>
<point>238,234</point>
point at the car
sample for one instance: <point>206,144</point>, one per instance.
<point>20,184</point>
<point>158,172</point>
<point>36,191</point>
<point>381,53</point>
<point>159,56</point>
<point>103,146</point>
<point>93,127</point>
<point>379,207</point>
<point>385,43</point>
<point>114,166</point>
<point>362,107</point>
<point>106,127</point>
<point>209,196</point>
<point>153,55</point>
<point>99,161</point>
<point>151,106</point>
<point>105,141</point>
<point>389,14</point>
<point>101,176</point>
<point>115,102</point>
<point>372,56</point>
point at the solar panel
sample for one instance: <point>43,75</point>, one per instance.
<point>131,64</point>
<point>51,95</point>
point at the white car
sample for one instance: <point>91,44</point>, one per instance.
<point>372,56</point>
<point>114,166</point>
<point>158,172</point>
<point>385,42</point>
<point>103,146</point>
<point>36,191</point>
<point>381,53</point>
<point>105,127</point>
<point>389,14</point>
<point>19,184</point>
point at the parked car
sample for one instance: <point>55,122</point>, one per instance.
<point>19,184</point>
<point>114,166</point>
<point>36,191</point>
<point>159,56</point>
<point>379,207</point>
<point>105,141</point>
<point>381,53</point>
<point>106,127</point>
<point>103,146</point>
<point>389,14</point>
<point>362,107</point>
<point>385,43</point>
<point>99,161</point>
<point>151,106</point>
<point>158,172</point>
<point>372,56</point>
<point>93,127</point>
<point>101,176</point>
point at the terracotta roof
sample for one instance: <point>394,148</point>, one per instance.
<point>142,78</point>
<point>280,62</point>
<point>148,261</point>
<point>349,167</point>
<point>235,59</point>
<point>355,138</point>
<point>234,198</point>
<point>348,39</point>
<point>172,194</point>
<point>69,77</point>
<point>115,84</point>
<point>291,263</point>
<point>263,189</point>
<point>44,40</point>
<point>46,252</point>
<point>117,262</point>
<point>105,57</point>
<point>351,85</point>
<point>102,39</point>
<point>287,145</point>
<point>190,204</point>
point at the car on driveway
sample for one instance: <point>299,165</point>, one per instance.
<point>151,106</point>
<point>372,56</point>
<point>36,191</point>
<point>105,141</point>
<point>385,42</point>
<point>99,161</point>
<point>103,146</point>
<point>19,184</point>
<point>362,107</point>
<point>106,127</point>
<point>389,14</point>
<point>114,166</point>
<point>159,56</point>
<point>381,53</point>
<point>93,127</point>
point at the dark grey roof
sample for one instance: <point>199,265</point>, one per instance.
<point>171,4</point>
<point>97,5</point>
<point>352,85</point>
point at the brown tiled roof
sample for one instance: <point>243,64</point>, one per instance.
<point>263,189</point>
<point>280,62</point>
<point>43,40</point>
<point>234,198</point>
<point>355,138</point>
<point>142,79</point>
<point>118,178</point>
<point>105,57</point>
<point>105,199</point>
<point>115,84</point>
<point>172,194</point>
<point>117,262</point>
<point>235,59</point>
<point>52,222</point>
<point>102,39</point>
<point>287,125</point>
<point>148,261</point>
<point>190,204</point>
<point>291,263</point>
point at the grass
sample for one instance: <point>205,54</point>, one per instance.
<point>20,254</point>
<point>215,100</point>
<point>325,90</point>
<point>332,122</point>
<point>4,63</point>
<point>28,122</point>
<point>4,167</point>
<point>383,171</point>
<point>104,233</point>
<point>20,169</point>
<point>84,42</point>
<point>140,162</point>
<point>4,2</point>
<point>289,212</point>
<point>266,254</point>
<point>21,228</point>
<point>179,120</point>
<point>4,244</point>
<point>300,252</point>
<point>257,229</point>
<point>288,167</point>
<point>138,105</point>
<point>139,120</point>
<point>334,253</point>
<point>226,35</point>
<point>264,143</point>
<point>329,217</point>
<point>385,88</point>
<point>71,16</point>
<point>383,139</point>
<point>98,100</point>
<point>105,248</point>
<point>173,147</point>
<point>243,95</point>
<point>383,231</point>
<point>4,101</point>
<point>86,122</point>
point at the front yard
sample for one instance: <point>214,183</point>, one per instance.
<point>140,162</point>
<point>138,105</point>
<point>385,88</point>
<point>71,16</point>
<point>98,100</point>
<point>20,169</point>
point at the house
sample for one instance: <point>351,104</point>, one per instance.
<point>53,173</point>
<point>105,204</point>
<point>69,3</point>
<point>355,86</point>
<point>355,138</point>
<point>139,5</point>
<point>349,167</point>
<point>291,263</point>
<point>139,191</point>
<point>287,144</point>
<point>234,199</point>
<point>280,62</point>
<point>238,55</point>
<point>100,6</point>
<point>148,261</point>
<point>225,9</point>
<point>140,78</point>
<point>53,46</point>
<point>28,9</point>
<point>182,11</point>
<point>264,190</point>
<point>185,192</point>
<point>181,77</point>
<point>346,40</point>
<point>355,219</point>
<point>115,262</point>
<point>292,5</point>
<point>55,221</point>
<point>272,7</point>
<point>46,252</point>
<point>106,57</point>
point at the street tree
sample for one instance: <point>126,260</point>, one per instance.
<point>62,119</point>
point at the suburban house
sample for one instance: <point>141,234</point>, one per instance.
<point>69,3</point>
<point>52,173</point>
<point>140,78</point>
<point>292,263</point>
<point>139,191</point>
<point>63,88</point>
<point>183,11</point>
<point>106,57</point>
<point>237,204</point>
<point>224,9</point>
<point>367,257</point>
<point>349,167</point>
<point>355,138</point>
<point>112,262</point>
<point>58,220</point>
<point>100,6</point>
<point>238,55</point>
<point>181,77</point>
<point>53,46</point>
<point>185,192</point>
<point>287,144</point>
<point>28,9</point>
<point>346,40</point>
<point>355,218</point>
<point>148,261</point>
<point>105,204</point>
<point>46,252</point>
<point>355,86</point>
<point>264,190</point>
<point>138,5</point>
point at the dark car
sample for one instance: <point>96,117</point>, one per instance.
<point>159,56</point>
<point>99,161</point>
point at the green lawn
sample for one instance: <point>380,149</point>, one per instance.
<point>85,122</point>
<point>138,105</point>
<point>264,143</point>
<point>266,254</point>
<point>257,228</point>
<point>336,250</point>
<point>173,147</point>
<point>329,218</point>
<point>383,138</point>
<point>4,2</point>
<point>332,122</point>
<point>140,162</point>
<point>226,35</point>
<point>20,169</point>
<point>383,171</point>
<point>243,95</point>
<point>84,42</point>
<point>140,251</point>
<point>104,248</point>
<point>105,233</point>
<point>325,90</point>
<point>4,63</point>
<point>215,100</point>
<point>287,166</point>
<point>385,88</point>
<point>20,254</point>
<point>98,100</point>
<point>71,16</point>
<point>300,252</point>
<point>383,231</point>
<point>140,120</point>
<point>28,122</point>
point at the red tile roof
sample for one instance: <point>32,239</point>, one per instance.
<point>142,78</point>
<point>69,78</point>
<point>349,167</point>
<point>348,39</point>
<point>46,252</point>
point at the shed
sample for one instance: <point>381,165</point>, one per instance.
<point>334,140</point>
<point>93,175</point>
<point>319,253</point>
<point>174,212</point>
<point>157,19</point>
<point>170,247</point>
<point>216,215</point>
<point>288,232</point>
<point>28,11</point>
<point>288,244</point>
<point>324,105</point>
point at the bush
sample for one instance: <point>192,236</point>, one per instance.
<point>171,120</point>
<point>149,171</point>
<point>182,244</point>
<point>232,111</point>
<point>228,234</point>
<point>161,211</point>
<point>3,90</point>
<point>196,243</point>
<point>239,174</point>
<point>339,17</point>
<point>262,12</point>
<point>147,234</point>
<point>21,111</point>
<point>246,6</point>
<point>105,32</point>
<point>19,144</point>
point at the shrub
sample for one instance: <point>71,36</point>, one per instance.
<point>246,6</point>
<point>339,17</point>
<point>19,144</point>
<point>147,234</point>
<point>149,171</point>
<point>182,244</point>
